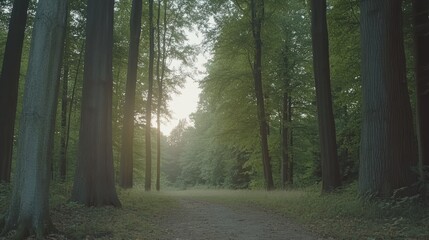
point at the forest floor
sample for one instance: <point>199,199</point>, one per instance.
<point>239,214</point>
<point>181,218</point>
<point>200,219</point>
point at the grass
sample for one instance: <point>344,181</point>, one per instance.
<point>137,219</point>
<point>340,215</point>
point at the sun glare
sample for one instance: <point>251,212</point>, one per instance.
<point>182,105</point>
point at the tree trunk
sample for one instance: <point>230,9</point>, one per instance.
<point>421,41</point>
<point>64,106</point>
<point>285,141</point>
<point>285,125</point>
<point>257,11</point>
<point>94,183</point>
<point>64,103</point>
<point>388,147</point>
<point>160,94</point>
<point>9,80</point>
<point>29,206</point>
<point>148,173</point>
<point>158,109</point>
<point>73,94</point>
<point>290,180</point>
<point>126,170</point>
<point>328,146</point>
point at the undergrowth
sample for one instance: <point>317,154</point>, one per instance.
<point>137,219</point>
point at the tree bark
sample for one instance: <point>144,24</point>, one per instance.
<point>158,109</point>
<point>285,124</point>
<point>94,183</point>
<point>257,12</point>
<point>285,141</point>
<point>388,147</point>
<point>160,94</point>
<point>328,147</point>
<point>9,81</point>
<point>421,52</point>
<point>64,106</point>
<point>290,180</point>
<point>148,173</point>
<point>126,170</point>
<point>64,103</point>
<point>29,206</point>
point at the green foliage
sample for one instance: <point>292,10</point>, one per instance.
<point>225,125</point>
<point>226,121</point>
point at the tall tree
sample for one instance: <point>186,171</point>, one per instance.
<point>159,79</point>
<point>290,155</point>
<point>257,13</point>
<point>421,41</point>
<point>328,146</point>
<point>126,170</point>
<point>29,206</point>
<point>9,80</point>
<point>285,171</point>
<point>94,183</point>
<point>388,147</point>
<point>64,103</point>
<point>148,173</point>
<point>72,97</point>
<point>64,106</point>
<point>284,138</point>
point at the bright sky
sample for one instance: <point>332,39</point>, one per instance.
<point>186,102</point>
<point>182,105</point>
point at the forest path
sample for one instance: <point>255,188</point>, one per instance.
<point>199,219</point>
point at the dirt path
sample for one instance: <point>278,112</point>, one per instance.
<point>204,220</point>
